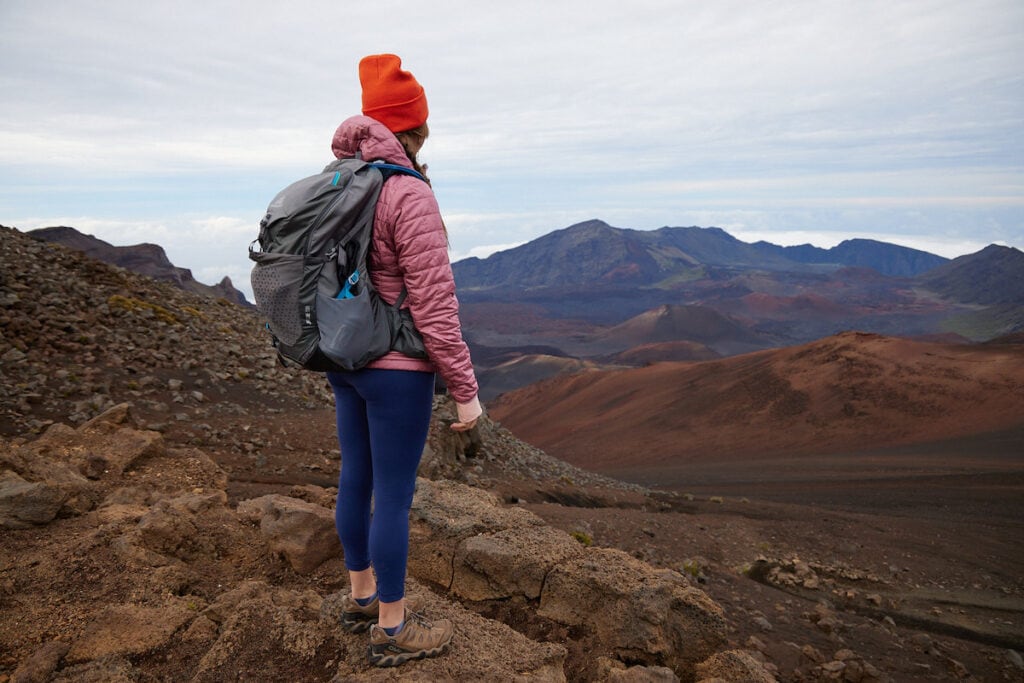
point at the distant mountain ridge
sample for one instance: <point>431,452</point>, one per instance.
<point>596,292</point>
<point>888,259</point>
<point>597,254</point>
<point>146,259</point>
<point>991,276</point>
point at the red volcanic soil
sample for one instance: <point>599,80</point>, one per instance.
<point>674,323</point>
<point>848,392</point>
<point>766,306</point>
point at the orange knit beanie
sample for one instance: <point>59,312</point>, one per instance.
<point>390,95</point>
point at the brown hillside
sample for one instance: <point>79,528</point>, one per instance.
<point>759,305</point>
<point>850,391</point>
<point>679,323</point>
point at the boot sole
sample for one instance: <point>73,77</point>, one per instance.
<point>357,623</point>
<point>396,658</point>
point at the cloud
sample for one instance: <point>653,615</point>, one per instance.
<point>923,188</point>
<point>142,120</point>
<point>483,251</point>
<point>68,144</point>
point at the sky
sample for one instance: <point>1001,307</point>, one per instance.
<point>791,121</point>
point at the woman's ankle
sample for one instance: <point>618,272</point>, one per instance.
<point>391,614</point>
<point>362,584</point>
<point>363,602</point>
<point>393,630</point>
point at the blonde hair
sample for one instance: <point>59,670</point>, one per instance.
<point>406,139</point>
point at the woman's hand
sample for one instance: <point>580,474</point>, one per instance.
<point>468,415</point>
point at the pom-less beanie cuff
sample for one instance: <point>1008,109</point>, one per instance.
<point>391,95</point>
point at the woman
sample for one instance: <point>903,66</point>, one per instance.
<point>383,410</point>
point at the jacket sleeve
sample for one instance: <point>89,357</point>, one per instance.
<point>421,249</point>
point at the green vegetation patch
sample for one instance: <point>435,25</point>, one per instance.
<point>987,323</point>
<point>133,305</point>
<point>583,538</point>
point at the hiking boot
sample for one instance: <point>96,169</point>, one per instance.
<point>355,618</point>
<point>418,639</point>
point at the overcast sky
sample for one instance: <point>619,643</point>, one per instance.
<point>790,121</point>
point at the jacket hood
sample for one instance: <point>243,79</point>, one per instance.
<point>370,139</point>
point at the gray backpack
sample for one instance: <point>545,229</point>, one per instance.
<point>310,278</point>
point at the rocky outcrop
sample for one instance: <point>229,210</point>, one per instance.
<point>489,649</point>
<point>59,473</point>
<point>464,540</point>
<point>132,548</point>
<point>639,613</point>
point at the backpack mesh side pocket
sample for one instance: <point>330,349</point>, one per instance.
<point>353,331</point>
<point>276,281</point>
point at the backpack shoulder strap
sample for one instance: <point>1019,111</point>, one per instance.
<point>388,170</point>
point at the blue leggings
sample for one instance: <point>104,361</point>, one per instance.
<point>383,418</point>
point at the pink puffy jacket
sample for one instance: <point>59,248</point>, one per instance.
<point>410,247</point>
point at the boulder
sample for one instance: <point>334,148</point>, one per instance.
<point>510,562</point>
<point>40,666</point>
<point>303,532</point>
<point>255,618</point>
<point>57,473</point>
<point>733,665</point>
<point>444,516</point>
<point>53,482</point>
<point>24,504</point>
<point>614,671</point>
<point>169,527</point>
<point>641,614</point>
